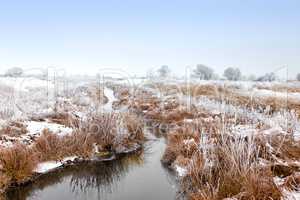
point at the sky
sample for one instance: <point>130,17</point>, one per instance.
<point>257,36</point>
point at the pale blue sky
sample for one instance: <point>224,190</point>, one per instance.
<point>82,36</point>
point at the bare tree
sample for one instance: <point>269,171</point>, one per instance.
<point>233,74</point>
<point>298,77</point>
<point>268,77</point>
<point>203,72</point>
<point>164,71</point>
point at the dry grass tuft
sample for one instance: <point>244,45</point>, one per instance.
<point>78,144</point>
<point>259,186</point>
<point>226,168</point>
<point>17,162</point>
<point>49,146</point>
<point>65,119</point>
<point>14,129</point>
<point>104,129</point>
<point>135,127</point>
<point>200,90</point>
<point>292,182</point>
<point>4,181</point>
<point>286,147</point>
<point>180,142</point>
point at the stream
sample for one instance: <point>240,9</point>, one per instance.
<point>132,177</point>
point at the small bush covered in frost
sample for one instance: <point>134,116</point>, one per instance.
<point>14,72</point>
<point>203,72</point>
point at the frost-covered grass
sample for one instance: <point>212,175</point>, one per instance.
<point>233,144</point>
<point>53,124</point>
<point>17,162</point>
<point>224,139</point>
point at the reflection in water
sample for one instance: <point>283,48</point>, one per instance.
<point>136,176</point>
<point>102,177</point>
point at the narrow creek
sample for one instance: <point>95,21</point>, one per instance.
<point>133,177</point>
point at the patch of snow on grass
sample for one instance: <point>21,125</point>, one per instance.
<point>270,93</point>
<point>180,170</point>
<point>188,142</point>
<point>244,130</point>
<point>35,128</point>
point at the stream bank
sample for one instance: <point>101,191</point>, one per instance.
<point>136,176</point>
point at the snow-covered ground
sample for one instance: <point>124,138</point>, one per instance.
<point>109,93</point>
<point>25,83</point>
<point>270,93</point>
<point>35,128</point>
<point>48,166</point>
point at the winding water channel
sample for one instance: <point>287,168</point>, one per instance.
<point>133,177</point>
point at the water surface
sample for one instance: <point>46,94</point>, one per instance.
<point>135,177</point>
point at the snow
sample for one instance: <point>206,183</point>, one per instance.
<point>48,166</point>
<point>244,130</point>
<point>188,120</point>
<point>71,158</point>
<point>188,142</point>
<point>35,128</point>
<point>25,83</point>
<point>45,167</point>
<point>291,195</point>
<point>180,170</point>
<point>5,144</point>
<point>288,195</point>
<point>279,121</point>
<point>272,131</point>
<point>271,93</point>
